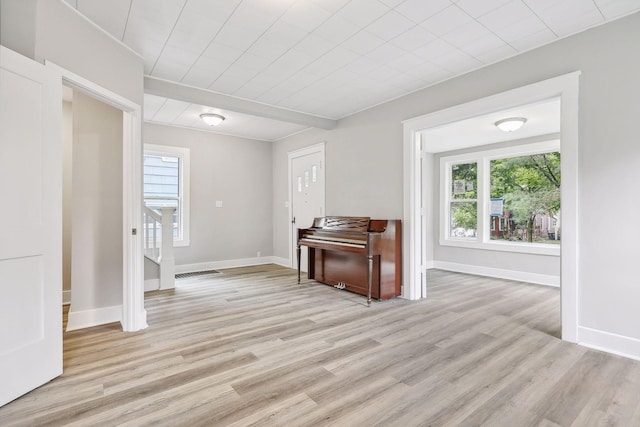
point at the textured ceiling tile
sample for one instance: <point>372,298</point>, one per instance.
<point>306,15</point>
<point>614,8</point>
<point>467,34</point>
<point>505,15</point>
<point>336,29</point>
<point>314,46</point>
<point>390,25</point>
<point>419,10</point>
<point>446,21</point>
<point>362,12</point>
<point>363,42</point>
<point>412,39</point>
<point>477,8</point>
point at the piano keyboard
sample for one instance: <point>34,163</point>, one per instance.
<point>335,241</point>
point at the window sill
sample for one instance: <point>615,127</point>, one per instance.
<point>181,243</point>
<point>525,248</point>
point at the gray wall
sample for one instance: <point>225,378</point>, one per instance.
<point>52,30</point>
<point>67,156</point>
<point>364,159</point>
<point>236,171</point>
<point>96,262</point>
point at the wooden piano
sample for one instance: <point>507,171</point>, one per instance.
<point>358,254</point>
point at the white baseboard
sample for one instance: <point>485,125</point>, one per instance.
<point>66,297</point>
<point>284,262</point>
<point>521,276</point>
<point>231,263</point>
<point>151,285</point>
<point>609,342</point>
<point>95,317</point>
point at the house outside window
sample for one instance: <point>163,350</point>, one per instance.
<point>505,199</point>
<point>166,184</point>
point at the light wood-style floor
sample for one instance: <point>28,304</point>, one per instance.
<point>251,347</point>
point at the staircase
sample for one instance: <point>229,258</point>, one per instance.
<point>158,243</point>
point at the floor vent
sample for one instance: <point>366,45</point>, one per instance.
<point>197,273</point>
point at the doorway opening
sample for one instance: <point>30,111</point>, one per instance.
<point>130,312</point>
<point>422,224</point>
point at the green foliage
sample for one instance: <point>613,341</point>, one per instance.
<point>464,215</point>
<point>530,186</point>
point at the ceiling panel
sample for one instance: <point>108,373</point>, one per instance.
<point>391,25</point>
<point>177,113</point>
<point>332,57</point>
<point>362,12</point>
<point>419,10</point>
<point>542,119</point>
<point>446,21</point>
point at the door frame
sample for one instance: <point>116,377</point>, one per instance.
<point>312,149</point>
<point>134,316</point>
<point>416,216</point>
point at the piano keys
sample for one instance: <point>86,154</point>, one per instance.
<point>359,254</point>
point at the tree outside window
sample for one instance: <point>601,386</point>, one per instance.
<point>530,189</point>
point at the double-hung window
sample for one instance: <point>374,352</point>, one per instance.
<point>506,199</point>
<point>166,184</point>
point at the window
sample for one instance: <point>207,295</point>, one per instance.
<point>506,199</point>
<point>463,203</point>
<point>166,183</point>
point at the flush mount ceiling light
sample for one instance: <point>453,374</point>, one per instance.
<point>212,119</point>
<point>511,124</point>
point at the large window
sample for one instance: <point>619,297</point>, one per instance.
<point>506,199</point>
<point>166,183</point>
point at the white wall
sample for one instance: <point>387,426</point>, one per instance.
<point>364,164</point>
<point>236,171</point>
<point>96,263</point>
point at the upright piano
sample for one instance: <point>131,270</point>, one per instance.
<point>358,254</point>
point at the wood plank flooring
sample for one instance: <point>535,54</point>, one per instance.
<point>251,347</point>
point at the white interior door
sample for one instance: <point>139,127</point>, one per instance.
<point>31,218</point>
<point>307,200</point>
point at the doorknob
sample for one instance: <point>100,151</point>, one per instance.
<point>293,221</point>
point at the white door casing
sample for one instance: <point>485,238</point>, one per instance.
<point>31,214</point>
<point>307,194</point>
<point>133,314</point>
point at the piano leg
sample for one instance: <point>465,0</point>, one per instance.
<point>298,254</point>
<point>369,279</point>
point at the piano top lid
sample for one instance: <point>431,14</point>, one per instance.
<point>343,223</point>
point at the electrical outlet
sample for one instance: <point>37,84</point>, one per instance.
<point>259,254</point>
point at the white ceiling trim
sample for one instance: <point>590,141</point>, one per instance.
<point>194,95</point>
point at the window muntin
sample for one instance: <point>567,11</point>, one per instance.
<point>487,204</point>
<point>166,184</point>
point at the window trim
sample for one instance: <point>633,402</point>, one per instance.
<point>184,185</point>
<point>483,159</point>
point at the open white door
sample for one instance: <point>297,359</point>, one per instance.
<point>31,218</point>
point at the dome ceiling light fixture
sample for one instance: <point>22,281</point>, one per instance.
<point>212,119</point>
<point>511,124</point>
